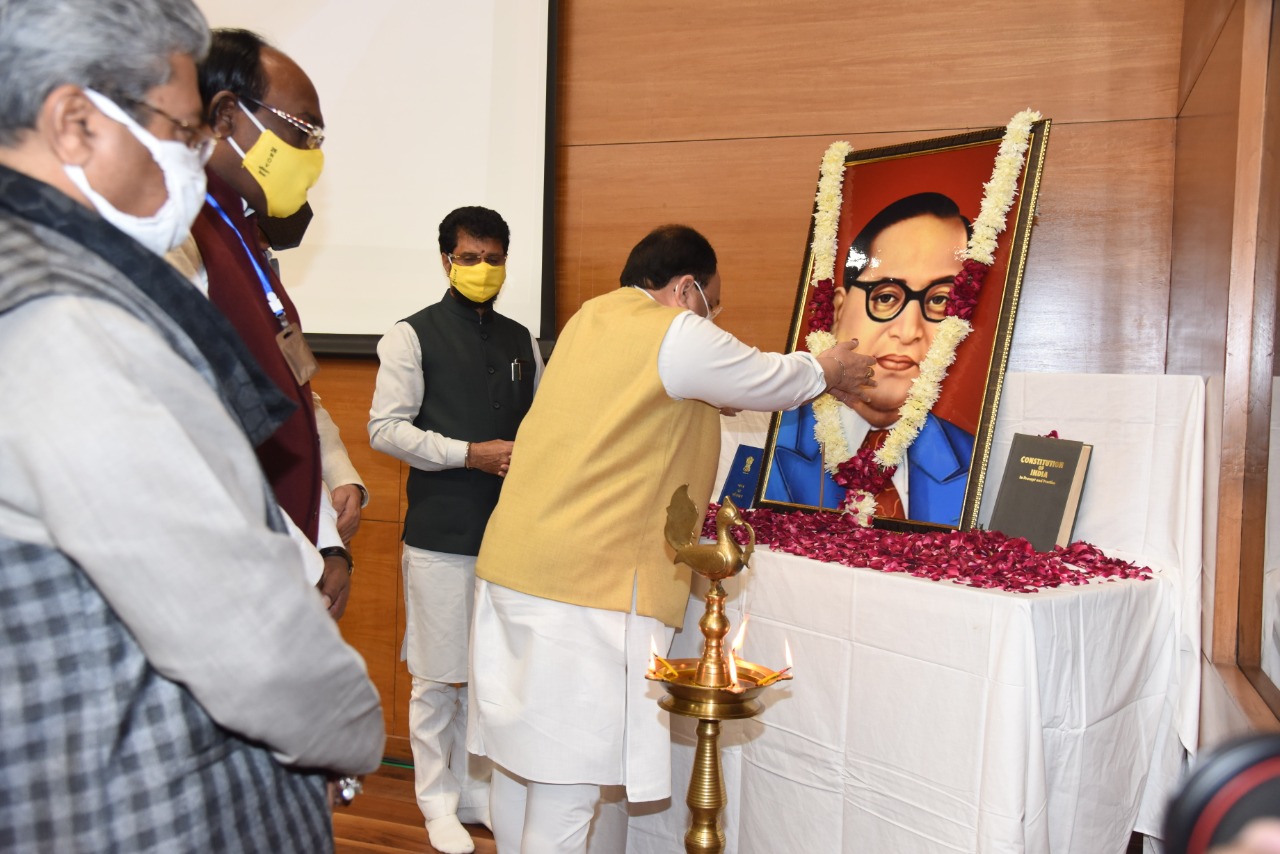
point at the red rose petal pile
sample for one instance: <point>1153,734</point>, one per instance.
<point>823,306</point>
<point>986,559</point>
<point>964,291</point>
<point>861,472</point>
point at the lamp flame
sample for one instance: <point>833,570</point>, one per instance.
<point>653,656</point>
<point>733,672</point>
<point>741,636</point>
<point>787,647</point>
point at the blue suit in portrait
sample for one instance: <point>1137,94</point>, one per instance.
<point>937,469</point>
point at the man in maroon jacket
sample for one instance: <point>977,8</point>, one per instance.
<point>266,114</point>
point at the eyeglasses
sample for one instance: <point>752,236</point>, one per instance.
<point>196,136</point>
<point>470,259</point>
<point>314,133</point>
<point>887,298</point>
<point>712,313</point>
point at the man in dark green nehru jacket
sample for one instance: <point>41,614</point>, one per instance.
<point>454,382</point>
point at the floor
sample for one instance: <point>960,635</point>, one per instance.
<point>385,819</point>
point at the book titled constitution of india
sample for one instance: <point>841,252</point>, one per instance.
<point>1040,491</point>
<point>740,482</point>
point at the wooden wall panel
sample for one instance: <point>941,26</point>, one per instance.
<point>1222,323</point>
<point>1202,217</point>
<point>374,621</point>
<point>1253,589</point>
<point>751,198</point>
<point>1200,304</point>
<point>716,114</point>
<point>374,611</point>
<point>346,388</point>
<point>728,69</point>
<point>1203,21</point>
<point>1095,295</point>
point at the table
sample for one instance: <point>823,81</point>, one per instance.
<point>931,717</point>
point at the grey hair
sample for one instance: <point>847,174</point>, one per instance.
<point>119,47</point>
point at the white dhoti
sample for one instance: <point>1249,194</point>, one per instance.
<point>558,693</point>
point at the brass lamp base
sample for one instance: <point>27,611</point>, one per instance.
<point>706,798</point>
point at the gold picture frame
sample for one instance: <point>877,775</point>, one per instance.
<point>910,186</point>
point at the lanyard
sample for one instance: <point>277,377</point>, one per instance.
<point>273,301</point>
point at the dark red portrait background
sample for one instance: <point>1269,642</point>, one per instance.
<point>959,172</point>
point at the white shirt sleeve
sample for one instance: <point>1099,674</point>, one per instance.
<point>537,361</point>
<point>700,361</point>
<point>335,463</point>
<point>327,524</point>
<point>397,397</point>
<point>312,562</point>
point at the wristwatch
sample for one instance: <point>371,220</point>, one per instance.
<point>346,789</point>
<point>339,551</point>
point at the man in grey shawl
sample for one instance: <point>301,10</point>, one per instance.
<point>169,681</point>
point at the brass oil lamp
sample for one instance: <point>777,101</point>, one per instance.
<point>717,686</point>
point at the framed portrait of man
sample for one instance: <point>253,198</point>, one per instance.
<point>903,241</point>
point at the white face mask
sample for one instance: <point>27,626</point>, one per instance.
<point>184,180</point>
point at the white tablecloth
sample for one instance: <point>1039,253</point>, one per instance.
<point>930,717</point>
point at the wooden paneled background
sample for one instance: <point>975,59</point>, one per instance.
<point>716,114</point>
<point>374,621</point>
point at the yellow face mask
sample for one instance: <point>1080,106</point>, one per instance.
<point>285,173</point>
<point>479,283</point>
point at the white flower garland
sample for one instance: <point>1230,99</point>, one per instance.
<point>998,196</point>
<point>998,193</point>
<point>826,219</point>
<point>862,507</point>
<point>924,392</point>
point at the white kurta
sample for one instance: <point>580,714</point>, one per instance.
<point>587,660</point>
<point>558,690</point>
<point>437,589</point>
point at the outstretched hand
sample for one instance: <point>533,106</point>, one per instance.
<point>848,374</point>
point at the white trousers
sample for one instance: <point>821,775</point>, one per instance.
<point>556,818</point>
<point>446,778</point>
<point>438,602</point>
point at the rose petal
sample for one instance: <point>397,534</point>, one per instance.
<point>982,559</point>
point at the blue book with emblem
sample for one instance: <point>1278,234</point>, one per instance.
<point>744,474</point>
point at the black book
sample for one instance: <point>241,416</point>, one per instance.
<point>1040,491</point>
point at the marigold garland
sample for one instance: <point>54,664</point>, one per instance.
<point>866,473</point>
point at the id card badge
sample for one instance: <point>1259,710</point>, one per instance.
<point>297,353</point>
